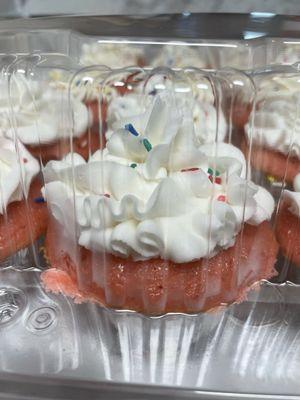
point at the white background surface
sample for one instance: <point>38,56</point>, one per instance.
<point>42,7</point>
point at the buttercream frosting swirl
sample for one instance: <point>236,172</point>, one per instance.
<point>276,120</point>
<point>17,169</point>
<point>150,193</point>
<point>39,115</point>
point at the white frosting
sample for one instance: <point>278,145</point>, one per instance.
<point>289,55</point>
<point>293,197</point>
<point>39,115</point>
<point>179,56</point>
<point>17,168</point>
<point>276,123</point>
<point>155,209</point>
<point>112,55</point>
<point>85,87</point>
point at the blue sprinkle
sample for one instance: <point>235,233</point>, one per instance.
<point>39,200</point>
<point>130,128</point>
<point>153,92</point>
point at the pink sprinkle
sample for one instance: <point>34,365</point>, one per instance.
<point>190,169</point>
<point>221,198</point>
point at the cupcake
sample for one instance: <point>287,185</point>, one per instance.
<point>41,117</point>
<point>112,55</point>
<point>288,223</point>
<point>275,133</point>
<point>157,222</point>
<point>23,214</point>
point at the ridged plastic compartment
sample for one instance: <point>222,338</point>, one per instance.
<point>232,351</point>
<point>211,53</point>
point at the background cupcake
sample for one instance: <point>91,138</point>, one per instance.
<point>288,223</point>
<point>43,118</point>
<point>23,214</point>
<point>164,224</point>
<point>275,133</point>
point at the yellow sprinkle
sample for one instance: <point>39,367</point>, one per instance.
<point>43,251</point>
<point>271,178</point>
<point>55,75</point>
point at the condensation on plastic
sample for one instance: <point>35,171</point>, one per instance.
<point>233,349</point>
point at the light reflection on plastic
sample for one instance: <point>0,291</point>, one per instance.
<point>202,86</point>
<point>262,14</point>
<point>160,86</point>
<point>253,35</point>
<point>238,83</point>
<point>293,42</point>
<point>119,84</point>
<point>170,43</point>
<point>182,90</point>
<point>21,71</point>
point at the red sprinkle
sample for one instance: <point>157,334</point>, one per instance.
<point>25,160</point>
<point>190,169</point>
<point>107,195</point>
<point>217,179</point>
<point>221,198</point>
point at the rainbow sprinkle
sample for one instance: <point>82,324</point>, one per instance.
<point>214,176</point>
<point>39,200</point>
<point>210,171</point>
<point>134,165</point>
<point>147,145</point>
<point>190,169</point>
<point>107,195</point>
<point>221,198</point>
<point>130,128</point>
<point>271,178</point>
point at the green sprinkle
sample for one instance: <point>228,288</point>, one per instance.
<point>133,165</point>
<point>218,173</point>
<point>147,144</point>
<point>210,171</point>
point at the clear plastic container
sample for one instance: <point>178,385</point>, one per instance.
<point>218,317</point>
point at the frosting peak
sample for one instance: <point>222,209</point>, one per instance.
<point>135,108</point>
